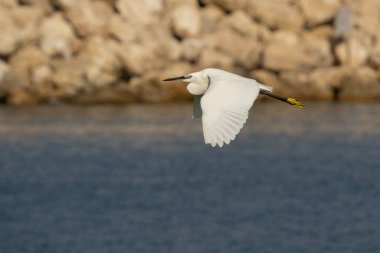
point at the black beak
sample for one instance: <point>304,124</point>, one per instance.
<point>177,78</point>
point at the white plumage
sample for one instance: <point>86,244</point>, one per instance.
<point>225,106</point>
<point>223,100</point>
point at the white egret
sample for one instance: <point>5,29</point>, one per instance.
<point>223,100</point>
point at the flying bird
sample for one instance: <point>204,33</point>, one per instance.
<point>223,99</point>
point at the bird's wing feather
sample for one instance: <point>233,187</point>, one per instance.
<point>197,110</point>
<point>225,107</point>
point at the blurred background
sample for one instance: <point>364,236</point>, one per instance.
<point>131,172</point>
<point>118,51</point>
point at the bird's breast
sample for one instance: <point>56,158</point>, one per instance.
<point>197,89</point>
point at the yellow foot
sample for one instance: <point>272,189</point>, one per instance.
<point>296,103</point>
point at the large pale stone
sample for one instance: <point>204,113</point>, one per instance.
<point>8,3</point>
<point>25,60</point>
<point>9,40</point>
<point>142,11</point>
<point>104,68</point>
<point>154,48</point>
<point>216,59</point>
<point>192,48</point>
<point>43,5</point>
<point>122,30</point>
<point>351,53</point>
<point>361,83</point>
<point>186,21</point>
<point>68,77</point>
<point>21,97</point>
<point>27,20</point>
<point>228,5</point>
<point>9,33</point>
<point>41,76</point>
<point>89,17</point>
<point>268,78</point>
<point>57,37</point>
<point>171,4</point>
<point>151,89</point>
<point>319,83</point>
<point>366,15</point>
<point>243,24</point>
<point>320,11</point>
<point>276,14</point>
<point>243,50</point>
<point>289,52</point>
<point>211,16</point>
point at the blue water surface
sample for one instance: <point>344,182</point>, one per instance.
<point>140,179</point>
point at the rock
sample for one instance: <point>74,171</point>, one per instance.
<point>192,48</point>
<point>317,84</point>
<point>351,53</point>
<point>57,37</point>
<point>151,89</point>
<point>9,41</point>
<point>104,68</point>
<point>212,58</point>
<point>186,21</point>
<point>21,97</point>
<point>360,83</point>
<point>27,20</point>
<point>240,22</point>
<point>366,15</point>
<point>120,50</point>
<point>323,32</point>
<point>273,12</point>
<point>8,3</point>
<point>374,56</point>
<point>321,11</point>
<point>121,30</point>
<point>118,94</point>
<point>142,11</point>
<point>41,76</point>
<point>306,53</point>
<point>171,4</point>
<point>10,34</point>
<point>154,48</point>
<point>227,5</point>
<point>25,16</point>
<point>243,24</point>
<point>243,50</point>
<point>89,18</point>
<point>211,15</point>
<point>4,68</point>
<point>68,77</point>
<point>42,5</point>
<point>4,71</point>
<point>24,61</point>
<point>268,78</point>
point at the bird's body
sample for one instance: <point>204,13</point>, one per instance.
<point>223,100</point>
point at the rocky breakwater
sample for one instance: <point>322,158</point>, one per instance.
<point>94,51</point>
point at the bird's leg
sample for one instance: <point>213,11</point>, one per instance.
<point>290,101</point>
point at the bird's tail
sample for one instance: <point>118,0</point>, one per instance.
<point>266,87</point>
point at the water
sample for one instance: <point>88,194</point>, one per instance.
<point>140,179</point>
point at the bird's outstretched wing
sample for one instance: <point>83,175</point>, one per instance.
<point>225,107</point>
